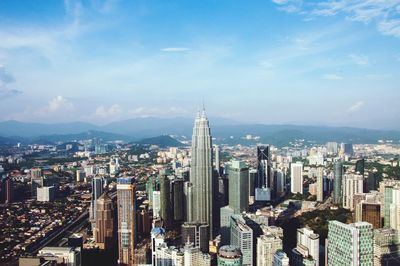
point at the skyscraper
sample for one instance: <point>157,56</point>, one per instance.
<point>337,182</point>
<point>267,245</point>
<point>217,160</point>
<point>238,174</point>
<point>242,237</point>
<point>263,167</point>
<point>201,173</point>
<point>307,248</point>
<point>320,184</point>
<point>97,191</point>
<point>350,244</point>
<point>352,184</point>
<point>104,231</point>
<point>165,200</point>
<point>296,172</point>
<point>126,202</point>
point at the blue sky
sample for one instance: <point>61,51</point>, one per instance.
<point>283,61</point>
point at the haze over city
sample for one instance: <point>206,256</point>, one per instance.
<point>326,62</point>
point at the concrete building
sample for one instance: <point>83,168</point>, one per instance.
<point>296,181</point>
<point>307,249</point>
<point>194,257</point>
<point>267,245</point>
<point>97,191</point>
<point>229,256</point>
<point>104,230</point>
<point>62,255</point>
<point>242,237</point>
<point>156,204</point>
<point>386,247</point>
<point>196,234</point>
<point>46,194</point>
<point>350,244</point>
<point>157,239</point>
<point>126,202</point>
<point>320,184</point>
<point>280,259</point>
<point>352,184</point>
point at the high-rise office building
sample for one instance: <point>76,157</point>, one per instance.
<point>252,181</point>
<point>337,183</point>
<point>307,248</point>
<point>126,202</point>
<point>97,191</point>
<point>238,174</point>
<point>263,167</point>
<point>104,230</point>
<point>360,166</point>
<point>217,160</point>
<point>156,204</point>
<point>369,212</point>
<point>229,256</point>
<point>332,148</point>
<point>350,244</point>
<point>320,184</point>
<point>195,257</point>
<point>352,184</point>
<point>386,247</point>
<point>267,245</point>
<point>8,190</point>
<point>395,210</point>
<point>197,234</point>
<point>177,200</point>
<point>165,200</point>
<point>296,172</point>
<point>201,173</point>
<point>225,224</point>
<point>346,148</point>
<point>242,237</point>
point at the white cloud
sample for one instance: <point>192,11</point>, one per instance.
<point>143,111</point>
<point>175,49</point>
<point>383,13</point>
<point>355,107</point>
<point>58,103</point>
<point>110,112</point>
<point>332,77</point>
<point>361,60</point>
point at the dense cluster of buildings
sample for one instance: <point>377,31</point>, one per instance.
<point>207,205</point>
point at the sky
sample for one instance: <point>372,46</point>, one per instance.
<point>328,62</point>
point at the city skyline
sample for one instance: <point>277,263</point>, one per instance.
<point>102,61</point>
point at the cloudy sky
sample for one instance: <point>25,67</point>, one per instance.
<point>329,62</point>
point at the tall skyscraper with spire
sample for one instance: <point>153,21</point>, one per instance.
<point>201,173</point>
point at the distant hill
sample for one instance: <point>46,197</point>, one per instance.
<point>105,136</point>
<point>163,141</point>
<point>223,130</point>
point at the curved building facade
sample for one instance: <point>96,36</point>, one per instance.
<point>229,255</point>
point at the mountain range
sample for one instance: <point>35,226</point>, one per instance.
<point>223,130</point>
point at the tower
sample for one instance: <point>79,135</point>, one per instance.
<point>126,202</point>
<point>337,182</point>
<point>238,186</point>
<point>201,173</point>
<point>97,191</point>
<point>296,172</point>
<point>104,231</point>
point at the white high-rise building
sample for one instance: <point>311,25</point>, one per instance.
<point>307,247</point>
<point>352,184</point>
<point>156,204</point>
<point>267,245</point>
<point>194,257</point>
<point>320,184</point>
<point>242,237</point>
<point>296,182</point>
<point>201,173</point>
<point>395,210</point>
<point>45,194</point>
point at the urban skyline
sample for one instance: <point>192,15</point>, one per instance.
<point>98,60</point>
